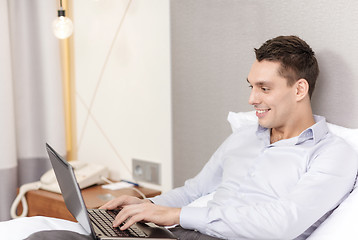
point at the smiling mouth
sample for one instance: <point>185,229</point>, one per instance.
<point>260,113</point>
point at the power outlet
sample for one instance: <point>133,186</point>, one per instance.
<point>146,171</point>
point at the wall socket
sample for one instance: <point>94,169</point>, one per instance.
<point>146,171</point>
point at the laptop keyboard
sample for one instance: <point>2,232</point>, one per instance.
<point>104,218</point>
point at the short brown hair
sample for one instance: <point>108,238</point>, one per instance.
<point>296,57</point>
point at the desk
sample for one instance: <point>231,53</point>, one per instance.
<point>44,203</point>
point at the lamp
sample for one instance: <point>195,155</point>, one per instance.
<point>62,26</point>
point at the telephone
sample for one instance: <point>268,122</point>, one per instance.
<point>87,174</point>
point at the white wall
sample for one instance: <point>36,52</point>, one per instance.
<point>131,91</point>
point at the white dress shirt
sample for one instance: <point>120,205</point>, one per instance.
<point>268,191</point>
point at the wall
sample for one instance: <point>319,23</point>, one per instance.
<point>178,67</point>
<point>212,51</point>
<point>126,84</point>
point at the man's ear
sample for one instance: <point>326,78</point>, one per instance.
<point>302,88</point>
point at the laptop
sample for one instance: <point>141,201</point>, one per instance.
<point>97,222</point>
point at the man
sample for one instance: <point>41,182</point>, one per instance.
<point>277,180</point>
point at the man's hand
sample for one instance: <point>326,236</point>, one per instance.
<point>135,210</point>
<point>122,201</point>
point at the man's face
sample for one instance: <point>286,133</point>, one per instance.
<point>272,98</point>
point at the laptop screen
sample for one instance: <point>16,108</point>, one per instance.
<point>70,189</point>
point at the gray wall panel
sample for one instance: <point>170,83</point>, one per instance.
<point>212,51</point>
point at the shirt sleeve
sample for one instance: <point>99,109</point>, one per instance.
<point>328,180</point>
<point>202,184</point>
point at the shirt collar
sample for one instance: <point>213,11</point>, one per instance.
<point>316,132</point>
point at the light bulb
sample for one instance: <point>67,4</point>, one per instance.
<point>62,26</point>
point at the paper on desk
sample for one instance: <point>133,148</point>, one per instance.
<point>117,185</point>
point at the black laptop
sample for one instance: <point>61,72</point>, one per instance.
<point>97,222</point>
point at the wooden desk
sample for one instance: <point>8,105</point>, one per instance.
<point>44,203</point>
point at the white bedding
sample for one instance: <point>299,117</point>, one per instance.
<point>342,224</point>
<point>29,225</point>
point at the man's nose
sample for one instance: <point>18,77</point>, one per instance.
<point>253,98</point>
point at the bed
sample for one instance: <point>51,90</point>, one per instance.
<point>339,225</point>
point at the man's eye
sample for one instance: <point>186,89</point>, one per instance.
<point>265,89</point>
<point>250,86</point>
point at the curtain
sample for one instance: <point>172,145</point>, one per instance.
<point>31,96</point>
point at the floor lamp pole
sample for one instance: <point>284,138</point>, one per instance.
<point>67,65</point>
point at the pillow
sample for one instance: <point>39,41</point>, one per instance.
<point>348,134</point>
<point>241,119</point>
